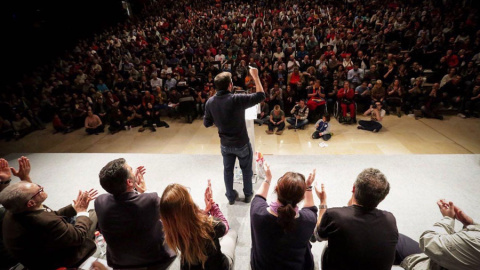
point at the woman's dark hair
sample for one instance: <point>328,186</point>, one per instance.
<point>290,191</point>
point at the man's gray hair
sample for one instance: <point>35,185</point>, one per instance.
<point>371,188</point>
<point>14,198</point>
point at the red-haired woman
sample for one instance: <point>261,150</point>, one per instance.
<point>195,232</point>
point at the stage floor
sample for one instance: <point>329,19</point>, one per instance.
<point>417,182</point>
<point>403,135</point>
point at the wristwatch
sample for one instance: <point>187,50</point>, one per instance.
<point>322,206</point>
<point>6,182</point>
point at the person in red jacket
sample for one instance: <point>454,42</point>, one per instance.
<point>345,97</point>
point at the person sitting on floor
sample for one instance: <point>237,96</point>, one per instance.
<point>433,104</point>
<point>151,119</point>
<point>203,237</point>
<point>21,125</point>
<point>277,120</point>
<point>117,121</point>
<point>322,129</point>
<point>264,115</point>
<point>93,124</point>
<point>299,112</point>
<point>376,113</point>
<point>280,229</point>
<point>443,248</point>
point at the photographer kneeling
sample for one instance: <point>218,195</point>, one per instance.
<point>299,116</point>
<point>377,113</point>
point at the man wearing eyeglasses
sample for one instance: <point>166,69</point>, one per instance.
<point>6,260</point>
<point>41,238</point>
<point>129,219</point>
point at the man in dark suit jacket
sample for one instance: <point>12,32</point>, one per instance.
<point>41,238</point>
<point>129,219</point>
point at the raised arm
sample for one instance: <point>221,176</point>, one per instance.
<point>308,191</point>
<point>256,79</point>
<point>263,190</point>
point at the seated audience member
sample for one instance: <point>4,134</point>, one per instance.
<point>203,237</point>
<point>147,98</point>
<point>41,238</point>
<point>322,129</point>
<point>346,97</point>
<point>443,247</point>
<point>117,121</point>
<point>316,102</point>
<point>6,130</point>
<point>200,99</point>
<point>100,107</point>
<point>133,117</point>
<point>433,103</point>
<point>376,116</point>
<point>359,236</point>
<point>299,116</point>
<point>21,125</point>
<point>264,115</point>
<point>362,95</point>
<point>129,219</point>
<point>452,93</point>
<point>93,124</point>
<point>355,75</point>
<point>151,119</point>
<point>59,126</point>
<point>280,230</point>
<point>6,260</point>
<point>288,99</point>
<point>277,120</point>
<point>472,100</point>
<point>414,96</point>
<point>378,93</point>
<point>174,102</point>
<point>394,96</point>
<point>276,96</point>
<point>186,105</point>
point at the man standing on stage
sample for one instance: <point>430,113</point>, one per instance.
<point>227,112</point>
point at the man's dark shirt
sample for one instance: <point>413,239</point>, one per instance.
<point>227,112</point>
<point>358,238</point>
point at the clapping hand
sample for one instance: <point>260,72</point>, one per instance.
<point>321,194</point>
<point>140,185</point>
<point>446,208</point>
<point>462,217</point>
<point>23,169</point>
<point>5,173</point>
<point>268,173</point>
<point>208,197</point>
<point>83,200</point>
<point>311,178</point>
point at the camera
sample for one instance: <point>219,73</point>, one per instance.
<point>297,107</point>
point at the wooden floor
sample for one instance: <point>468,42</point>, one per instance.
<point>403,135</point>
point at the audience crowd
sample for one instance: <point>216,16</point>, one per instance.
<point>143,230</point>
<point>416,57</point>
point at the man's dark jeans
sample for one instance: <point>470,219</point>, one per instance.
<point>245,157</point>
